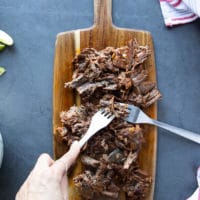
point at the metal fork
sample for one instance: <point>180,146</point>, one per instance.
<point>137,116</point>
<point>100,120</point>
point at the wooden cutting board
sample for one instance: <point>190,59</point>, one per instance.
<point>102,34</point>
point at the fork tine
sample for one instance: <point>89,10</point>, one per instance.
<point>109,115</point>
<point>112,117</point>
<point>100,120</point>
<point>102,110</point>
<point>106,114</point>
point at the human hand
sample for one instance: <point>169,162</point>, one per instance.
<point>48,178</point>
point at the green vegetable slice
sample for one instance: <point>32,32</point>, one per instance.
<point>2,70</point>
<point>2,46</point>
<point>5,38</point>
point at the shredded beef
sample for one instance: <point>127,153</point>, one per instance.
<point>110,159</point>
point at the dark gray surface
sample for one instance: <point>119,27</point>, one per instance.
<point>26,88</point>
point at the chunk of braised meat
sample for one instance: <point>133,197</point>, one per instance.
<point>116,71</point>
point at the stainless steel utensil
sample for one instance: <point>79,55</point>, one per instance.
<point>100,120</point>
<point>137,116</point>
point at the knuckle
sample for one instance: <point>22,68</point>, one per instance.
<point>49,176</point>
<point>44,156</point>
<point>41,176</point>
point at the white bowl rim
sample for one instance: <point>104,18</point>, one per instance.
<point>1,149</point>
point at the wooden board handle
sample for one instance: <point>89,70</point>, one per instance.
<point>103,13</point>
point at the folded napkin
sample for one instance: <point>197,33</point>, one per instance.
<point>177,12</point>
<point>196,194</point>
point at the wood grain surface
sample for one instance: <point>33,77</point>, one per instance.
<point>102,34</point>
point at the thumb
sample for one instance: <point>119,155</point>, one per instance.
<point>64,163</point>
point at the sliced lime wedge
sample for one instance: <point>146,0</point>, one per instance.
<point>2,46</point>
<point>2,70</point>
<point>5,38</point>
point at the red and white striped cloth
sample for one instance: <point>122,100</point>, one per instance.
<point>177,12</point>
<point>196,194</point>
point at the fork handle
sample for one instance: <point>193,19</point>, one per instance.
<point>90,132</point>
<point>83,140</point>
<point>178,131</point>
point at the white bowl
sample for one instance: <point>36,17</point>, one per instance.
<point>1,149</point>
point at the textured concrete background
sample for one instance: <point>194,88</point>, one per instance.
<point>26,88</point>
